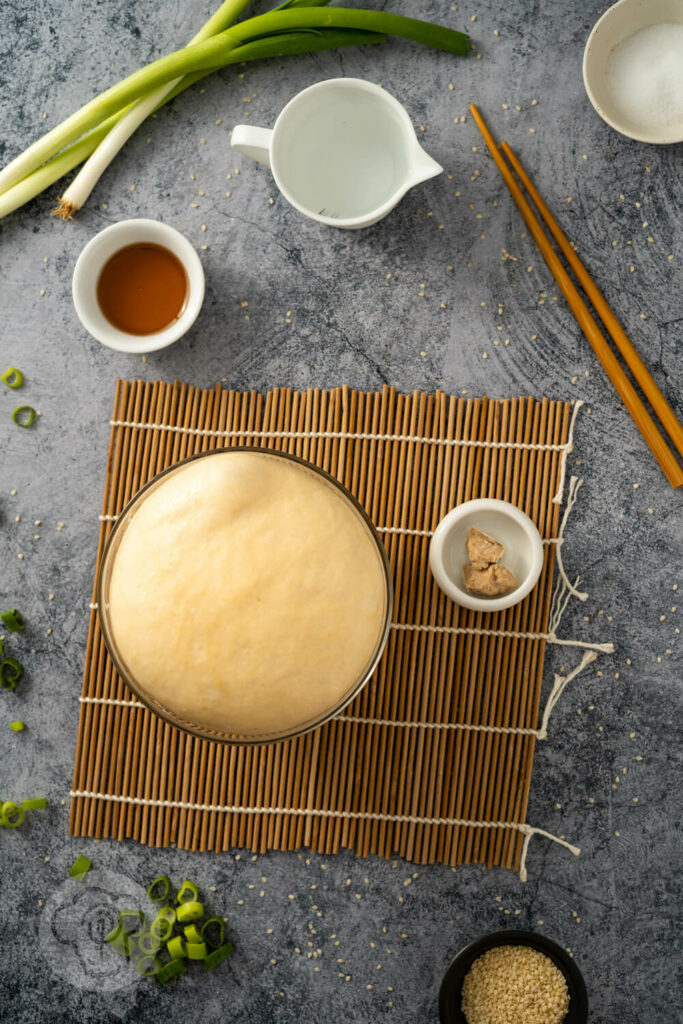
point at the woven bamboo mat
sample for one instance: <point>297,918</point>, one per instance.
<point>433,760</point>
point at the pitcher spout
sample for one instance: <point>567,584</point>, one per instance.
<point>422,166</point>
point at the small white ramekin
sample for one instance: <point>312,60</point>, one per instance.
<point>509,525</point>
<point>620,21</point>
<point>93,258</point>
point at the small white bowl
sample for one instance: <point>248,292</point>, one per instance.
<point>619,22</point>
<point>89,266</point>
<point>507,524</point>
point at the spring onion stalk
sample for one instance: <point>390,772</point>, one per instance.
<point>34,803</point>
<point>86,179</point>
<point>218,956</point>
<point>171,970</point>
<point>215,52</point>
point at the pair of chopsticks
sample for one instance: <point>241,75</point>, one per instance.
<point>601,347</point>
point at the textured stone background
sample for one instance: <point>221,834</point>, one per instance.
<point>614,794</point>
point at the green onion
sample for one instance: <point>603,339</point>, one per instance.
<point>148,966</point>
<point>163,882</point>
<point>24,415</point>
<point>213,47</point>
<point>209,929</point>
<point>80,868</point>
<point>131,922</point>
<point>36,803</point>
<point>149,943</point>
<point>13,620</point>
<point>11,672</point>
<point>12,378</point>
<point>218,955</point>
<point>162,926</point>
<point>120,942</point>
<point>17,726</point>
<point>172,970</point>
<point>12,815</point>
<point>176,947</point>
<point>188,892</point>
<point>192,911</point>
<point>196,950</point>
<point>192,934</point>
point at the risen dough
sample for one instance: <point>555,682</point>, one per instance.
<point>246,595</point>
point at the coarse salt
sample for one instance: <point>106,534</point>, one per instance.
<point>644,76</point>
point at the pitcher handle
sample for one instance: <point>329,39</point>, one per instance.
<point>253,142</point>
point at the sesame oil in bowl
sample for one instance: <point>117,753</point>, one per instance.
<point>142,288</point>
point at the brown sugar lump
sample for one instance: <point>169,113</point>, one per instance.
<point>514,985</point>
<point>482,550</point>
<point>492,581</point>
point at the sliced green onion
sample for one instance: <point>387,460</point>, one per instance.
<point>148,966</point>
<point>218,956</point>
<point>149,943</point>
<point>120,942</point>
<point>80,868</point>
<point>12,815</point>
<point>192,911</point>
<point>196,950</point>
<point>36,803</point>
<point>132,922</point>
<point>12,378</point>
<point>24,415</point>
<point>209,929</point>
<point>17,726</point>
<point>172,970</point>
<point>162,925</point>
<point>11,672</point>
<point>188,892</point>
<point>163,882</point>
<point>192,934</point>
<point>13,620</point>
<point>176,947</point>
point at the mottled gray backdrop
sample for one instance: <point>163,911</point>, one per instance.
<point>416,302</point>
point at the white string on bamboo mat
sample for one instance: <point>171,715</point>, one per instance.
<point>404,819</point>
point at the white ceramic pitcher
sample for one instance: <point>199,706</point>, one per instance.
<point>343,152</point>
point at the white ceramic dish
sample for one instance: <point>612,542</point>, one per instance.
<point>509,525</point>
<point>619,22</point>
<point>89,266</point>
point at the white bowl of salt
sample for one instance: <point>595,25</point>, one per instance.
<point>633,69</point>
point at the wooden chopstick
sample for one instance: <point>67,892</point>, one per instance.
<point>638,368</point>
<point>600,345</point>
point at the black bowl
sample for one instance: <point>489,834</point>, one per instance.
<point>450,994</point>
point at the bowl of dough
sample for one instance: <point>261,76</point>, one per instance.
<point>244,595</point>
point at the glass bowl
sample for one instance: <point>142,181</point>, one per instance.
<point>197,728</point>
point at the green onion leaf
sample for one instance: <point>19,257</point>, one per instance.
<point>80,868</point>
<point>36,803</point>
<point>218,955</point>
<point>12,378</point>
<point>11,672</point>
<point>192,911</point>
<point>13,620</point>
<point>159,889</point>
<point>172,970</point>
<point>188,892</point>
<point>17,726</point>
<point>24,415</point>
<point>213,932</point>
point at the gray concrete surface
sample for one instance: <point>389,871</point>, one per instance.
<point>609,777</point>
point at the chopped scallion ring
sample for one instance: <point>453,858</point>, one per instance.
<point>192,911</point>
<point>192,934</point>
<point>24,415</point>
<point>171,970</point>
<point>132,922</point>
<point>80,868</point>
<point>36,803</point>
<point>218,955</point>
<point>176,947</point>
<point>159,889</point>
<point>11,672</point>
<point>12,815</point>
<point>12,378</point>
<point>209,929</point>
<point>162,925</point>
<point>17,726</point>
<point>196,950</point>
<point>149,943</point>
<point>119,942</point>
<point>148,966</point>
<point>188,893</point>
<point>13,620</point>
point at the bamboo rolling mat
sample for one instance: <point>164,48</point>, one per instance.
<point>433,760</point>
